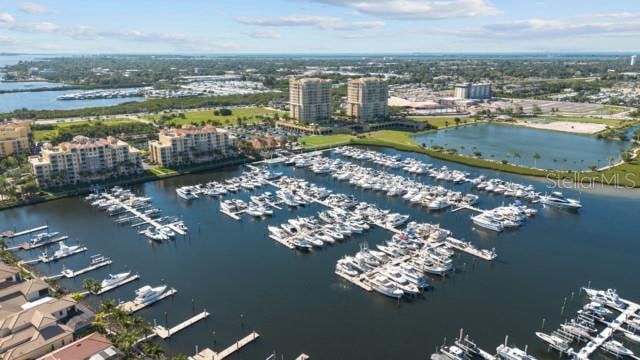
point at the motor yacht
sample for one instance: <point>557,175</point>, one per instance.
<point>513,353</point>
<point>186,192</point>
<point>487,221</point>
<point>554,340</point>
<point>148,294</point>
<point>557,199</point>
<point>386,287</point>
<point>42,237</point>
<point>113,280</point>
<point>615,347</point>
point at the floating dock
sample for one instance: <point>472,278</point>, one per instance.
<point>470,249</point>
<point>29,246</point>
<point>73,273</point>
<point>282,241</point>
<point>10,234</point>
<point>130,306</point>
<point>604,335</point>
<point>142,216</point>
<point>165,333</point>
<point>125,281</point>
<point>208,354</point>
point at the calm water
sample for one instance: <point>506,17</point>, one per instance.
<point>298,304</point>
<point>46,100</point>
<point>25,85</point>
<point>557,150</point>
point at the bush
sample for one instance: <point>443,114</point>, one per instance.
<point>225,112</point>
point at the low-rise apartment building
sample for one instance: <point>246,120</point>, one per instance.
<point>85,160</point>
<point>14,138</point>
<point>191,144</point>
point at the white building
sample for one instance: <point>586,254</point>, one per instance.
<point>367,99</point>
<point>633,60</point>
<point>473,91</point>
<point>190,144</point>
<point>310,100</point>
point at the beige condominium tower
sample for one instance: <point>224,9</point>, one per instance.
<point>310,100</point>
<point>367,99</point>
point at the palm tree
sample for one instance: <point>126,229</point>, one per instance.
<point>91,285</point>
<point>536,157</point>
<point>152,350</point>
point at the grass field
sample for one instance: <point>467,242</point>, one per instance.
<point>162,171</point>
<point>252,116</point>
<point>320,141</point>
<point>43,135</point>
<point>440,121</point>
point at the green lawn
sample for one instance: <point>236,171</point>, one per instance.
<point>440,121</point>
<point>200,117</point>
<point>320,141</point>
<point>43,135</point>
<point>162,171</point>
<point>609,122</point>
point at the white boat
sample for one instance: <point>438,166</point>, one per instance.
<point>453,352</point>
<point>167,231</point>
<point>513,353</point>
<point>487,222</point>
<point>607,297</point>
<point>112,280</point>
<point>186,192</point>
<point>615,347</point>
<point>302,244</point>
<point>556,199</point>
<point>147,294</point>
<point>62,252</point>
<point>386,287</point>
<point>555,341</point>
<point>255,211</point>
<point>597,308</point>
<point>43,237</point>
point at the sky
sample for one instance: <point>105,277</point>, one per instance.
<point>318,26</point>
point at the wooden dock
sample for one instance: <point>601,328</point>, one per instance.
<point>131,307</point>
<point>166,333</point>
<point>208,354</point>
<point>126,281</point>
<point>29,246</point>
<point>10,234</point>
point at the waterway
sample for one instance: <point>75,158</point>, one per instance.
<point>295,301</point>
<point>47,100</point>
<point>26,85</point>
<point>557,150</point>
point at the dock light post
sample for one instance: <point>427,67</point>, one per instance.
<point>166,321</point>
<point>193,306</point>
<point>543,321</point>
<point>214,339</point>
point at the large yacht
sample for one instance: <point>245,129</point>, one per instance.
<point>615,347</point>
<point>186,192</point>
<point>385,287</point>
<point>513,353</point>
<point>112,280</point>
<point>554,341</point>
<point>487,222</point>
<point>556,199</point>
<point>42,237</point>
<point>147,294</point>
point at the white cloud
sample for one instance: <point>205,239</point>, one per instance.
<point>320,22</point>
<point>264,34</point>
<point>534,29</point>
<point>45,27</point>
<point>419,9</point>
<point>32,8</point>
<point>6,18</point>
<point>611,16</point>
<point>6,40</point>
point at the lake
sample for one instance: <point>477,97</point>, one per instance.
<point>557,150</point>
<point>46,100</point>
<point>298,304</point>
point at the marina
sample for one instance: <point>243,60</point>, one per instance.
<point>9,234</point>
<point>208,354</point>
<point>240,251</point>
<point>165,333</point>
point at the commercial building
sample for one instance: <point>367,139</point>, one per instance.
<point>633,60</point>
<point>367,99</point>
<point>85,160</point>
<point>473,91</point>
<point>14,138</point>
<point>310,100</point>
<point>191,144</point>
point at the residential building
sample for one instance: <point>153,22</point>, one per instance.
<point>633,60</point>
<point>14,138</point>
<point>367,99</point>
<point>91,347</point>
<point>310,100</point>
<point>191,144</point>
<point>265,142</point>
<point>473,91</point>
<point>85,160</point>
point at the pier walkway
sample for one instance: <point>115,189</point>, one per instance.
<point>10,234</point>
<point>166,333</point>
<point>208,354</point>
<point>595,343</point>
<point>28,246</point>
<point>142,216</point>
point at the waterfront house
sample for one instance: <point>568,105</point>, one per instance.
<point>91,347</point>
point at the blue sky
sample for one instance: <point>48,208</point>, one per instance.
<point>318,26</point>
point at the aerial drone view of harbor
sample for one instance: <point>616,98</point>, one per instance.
<point>390,236</point>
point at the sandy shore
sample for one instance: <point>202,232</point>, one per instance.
<point>565,126</point>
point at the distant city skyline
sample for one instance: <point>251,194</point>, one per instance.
<point>319,26</point>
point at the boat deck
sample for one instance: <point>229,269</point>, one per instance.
<point>208,354</point>
<point>131,307</point>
